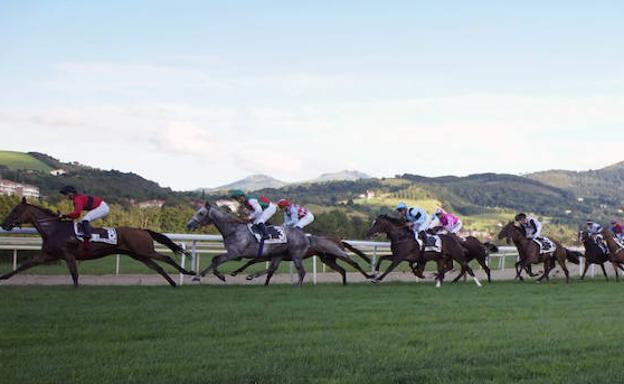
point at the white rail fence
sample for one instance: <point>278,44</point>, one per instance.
<point>206,245</point>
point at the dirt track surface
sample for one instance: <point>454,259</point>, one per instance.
<point>352,277</point>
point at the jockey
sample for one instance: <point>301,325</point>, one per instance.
<point>617,229</point>
<point>262,209</point>
<point>449,222</point>
<point>295,215</point>
<point>97,208</point>
<point>417,219</point>
<point>593,229</point>
<point>532,227</point>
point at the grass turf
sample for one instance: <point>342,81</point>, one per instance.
<point>395,333</point>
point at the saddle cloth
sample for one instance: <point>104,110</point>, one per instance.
<point>434,243</point>
<point>545,244</point>
<point>602,244</point>
<point>98,235</point>
<point>276,233</point>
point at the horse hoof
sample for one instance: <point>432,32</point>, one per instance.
<point>196,278</point>
<point>249,278</point>
<point>374,281</point>
<point>233,274</point>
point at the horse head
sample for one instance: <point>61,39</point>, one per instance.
<point>385,224</point>
<point>18,216</point>
<point>506,231</point>
<point>201,217</point>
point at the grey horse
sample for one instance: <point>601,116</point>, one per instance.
<point>240,243</point>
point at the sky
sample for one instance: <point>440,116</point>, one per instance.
<point>201,93</point>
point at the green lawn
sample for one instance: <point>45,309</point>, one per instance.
<point>391,333</point>
<point>20,160</point>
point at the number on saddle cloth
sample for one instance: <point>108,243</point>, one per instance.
<point>277,235</point>
<point>545,244</point>
<point>98,235</point>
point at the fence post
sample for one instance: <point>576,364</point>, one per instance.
<point>290,271</point>
<point>581,265</point>
<point>182,262</point>
<point>117,264</point>
<point>194,262</point>
<point>14,259</point>
<point>374,260</point>
<point>314,270</point>
<point>593,270</point>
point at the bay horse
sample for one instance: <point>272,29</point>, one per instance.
<point>616,251</point>
<point>61,243</point>
<point>594,254</point>
<point>404,247</point>
<point>240,243</point>
<point>529,252</point>
<point>476,250</point>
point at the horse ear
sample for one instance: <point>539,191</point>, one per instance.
<point>207,205</point>
<point>24,200</point>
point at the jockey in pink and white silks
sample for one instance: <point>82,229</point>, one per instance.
<point>295,215</point>
<point>449,222</point>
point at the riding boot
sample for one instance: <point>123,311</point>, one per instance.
<point>86,230</point>
<point>263,231</point>
<point>423,236</point>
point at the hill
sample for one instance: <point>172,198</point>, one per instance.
<point>345,175</point>
<point>11,160</point>
<point>250,183</point>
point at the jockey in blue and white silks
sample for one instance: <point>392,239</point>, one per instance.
<point>532,227</point>
<point>593,229</point>
<point>416,218</point>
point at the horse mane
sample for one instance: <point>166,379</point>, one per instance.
<point>229,217</point>
<point>393,220</point>
<point>47,211</point>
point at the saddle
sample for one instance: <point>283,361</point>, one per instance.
<point>277,235</point>
<point>601,243</point>
<point>98,235</point>
<point>545,244</point>
<point>433,243</point>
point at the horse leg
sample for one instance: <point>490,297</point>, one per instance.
<point>393,265</point>
<point>275,260</point>
<point>585,269</point>
<point>519,267</point>
<point>352,263</point>
<point>152,265</point>
<point>298,261</point>
<point>216,261</point>
<point>467,268</point>
<point>331,263</point>
<point>459,276</point>
<point>380,259</point>
<point>485,267</point>
<point>70,260</point>
<point>562,264</point>
<point>167,259</point>
<point>247,265</point>
<point>604,272</point>
<point>441,272</point>
<point>37,260</point>
<point>547,269</point>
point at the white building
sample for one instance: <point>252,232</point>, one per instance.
<point>58,172</point>
<point>8,188</point>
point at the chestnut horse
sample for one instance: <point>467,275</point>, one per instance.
<point>616,251</point>
<point>60,243</point>
<point>529,252</point>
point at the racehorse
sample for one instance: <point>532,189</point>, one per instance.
<point>327,259</point>
<point>594,254</point>
<point>404,247</point>
<point>240,243</point>
<point>529,252</point>
<point>476,250</point>
<point>60,243</point>
<point>616,251</point>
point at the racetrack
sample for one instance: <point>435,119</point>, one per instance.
<point>503,332</point>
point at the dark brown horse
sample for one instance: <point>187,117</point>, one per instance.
<point>476,250</point>
<point>594,254</point>
<point>529,252</point>
<point>404,247</point>
<point>60,243</point>
<point>616,252</point>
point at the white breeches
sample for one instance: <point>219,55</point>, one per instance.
<point>96,213</point>
<point>266,214</point>
<point>418,227</point>
<point>305,220</point>
<point>457,227</point>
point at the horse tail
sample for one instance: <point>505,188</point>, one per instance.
<point>164,240</point>
<point>356,251</point>
<point>573,256</point>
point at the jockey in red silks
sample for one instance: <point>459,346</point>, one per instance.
<point>295,215</point>
<point>617,229</point>
<point>447,221</point>
<point>95,206</point>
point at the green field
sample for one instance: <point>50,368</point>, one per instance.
<point>391,333</point>
<point>19,160</point>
